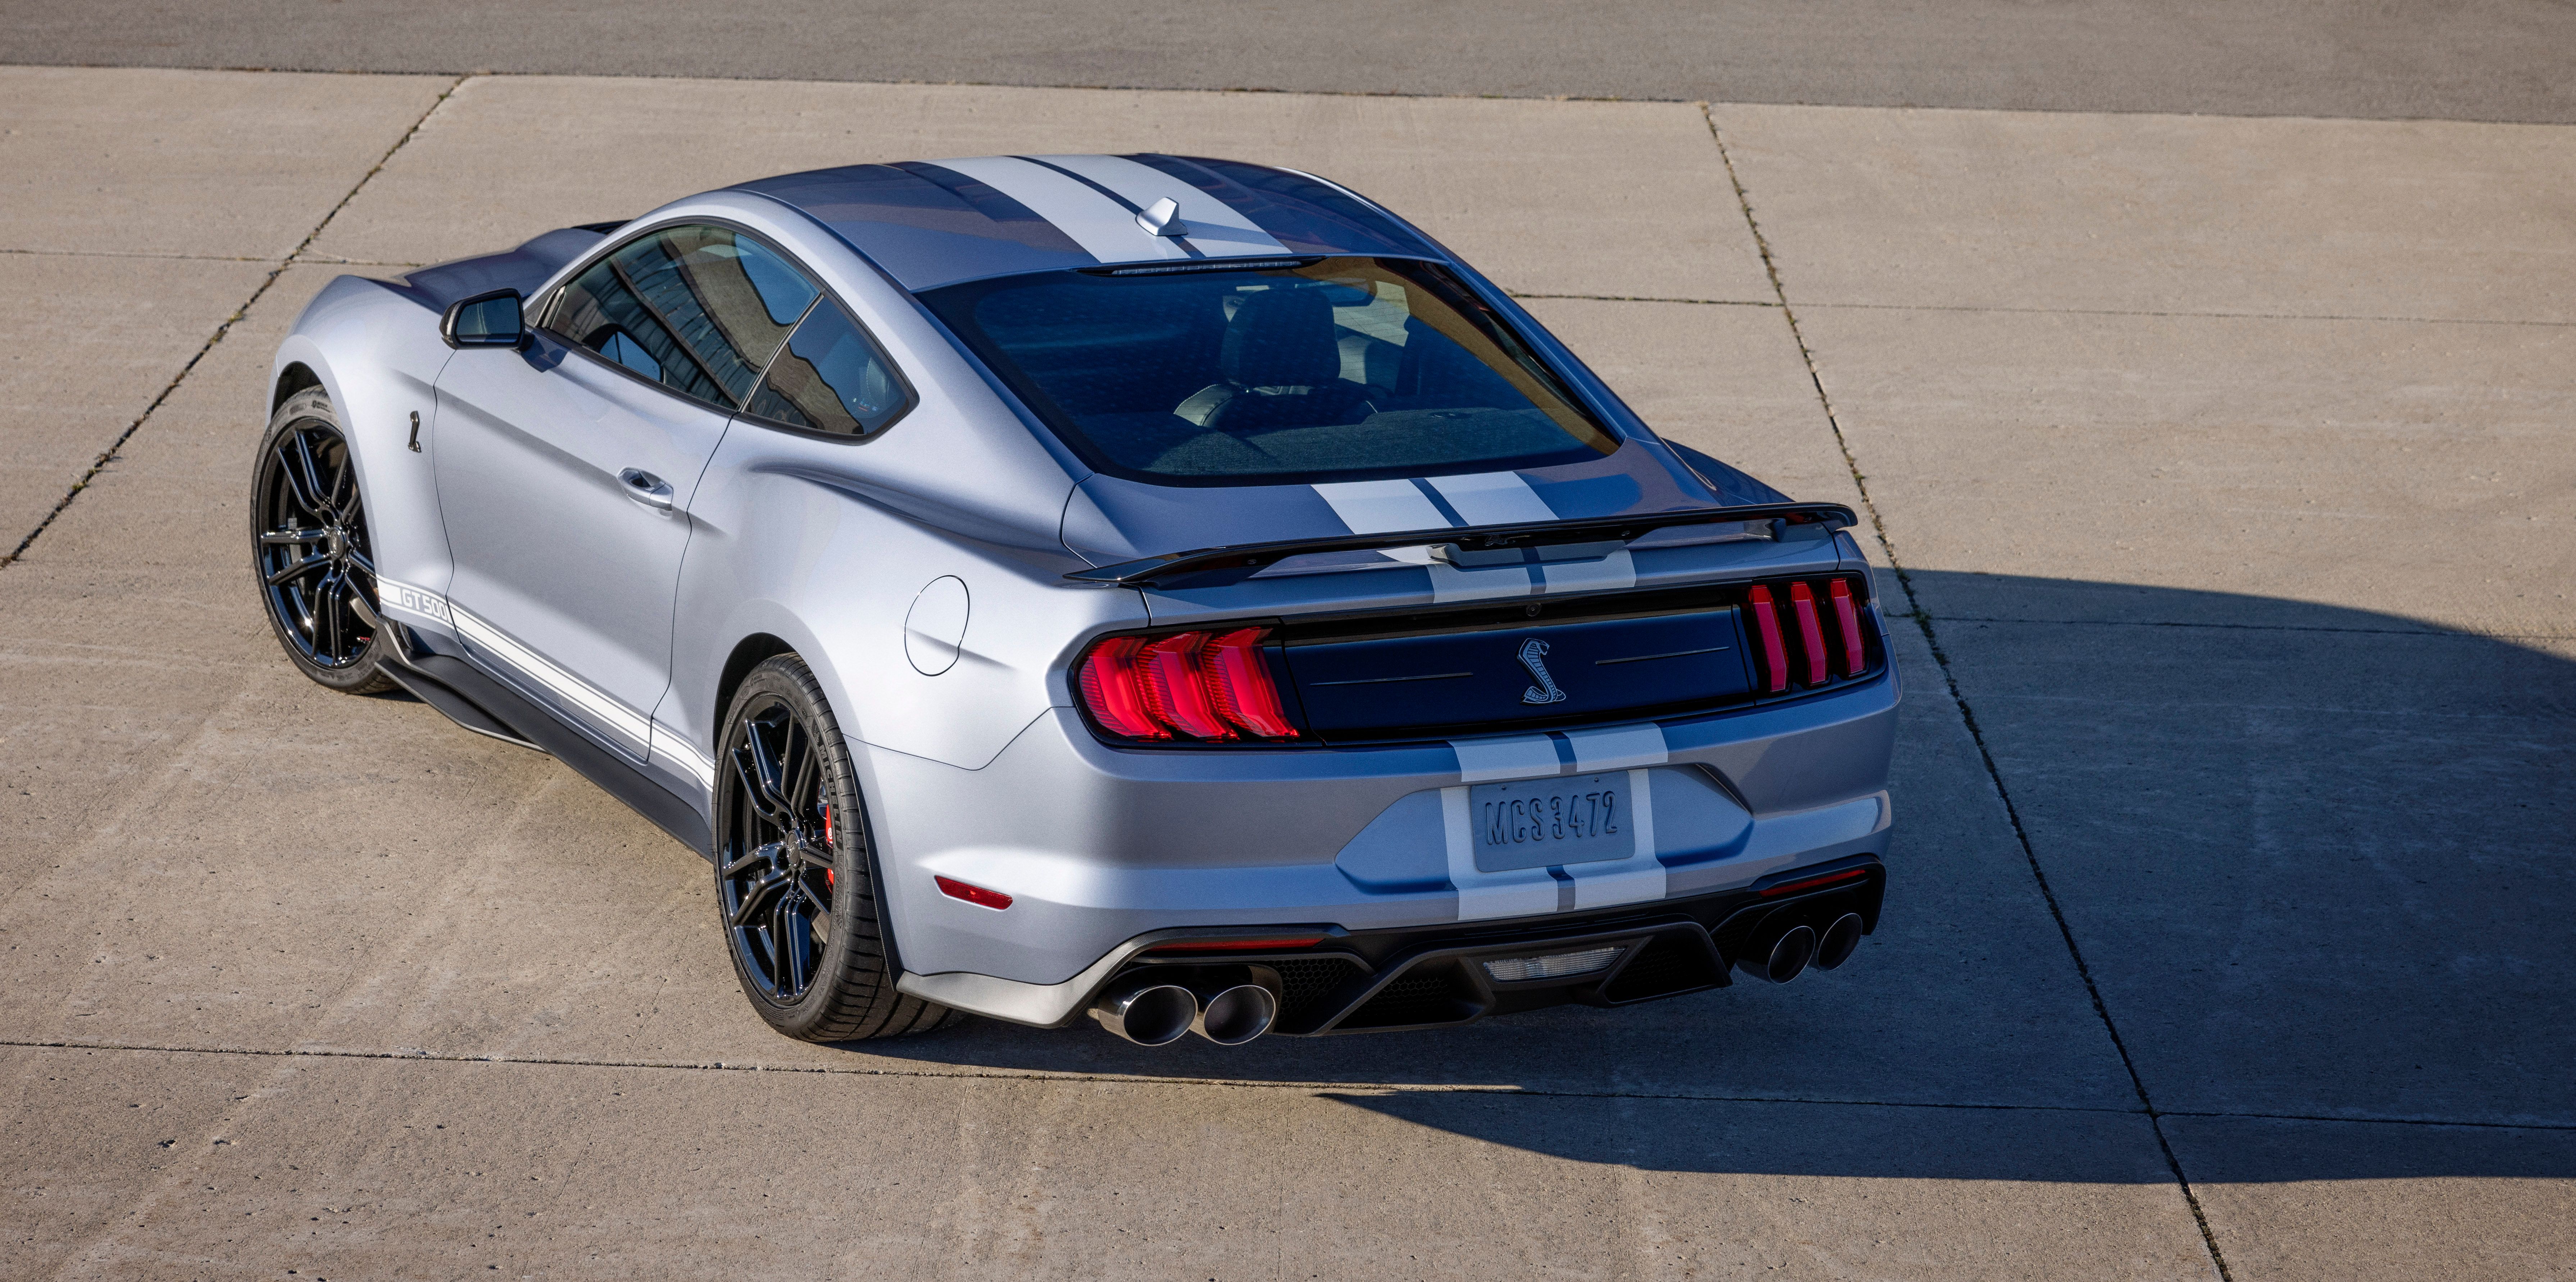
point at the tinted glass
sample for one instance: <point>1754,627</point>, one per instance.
<point>493,320</point>
<point>831,379</point>
<point>697,309</point>
<point>1345,367</point>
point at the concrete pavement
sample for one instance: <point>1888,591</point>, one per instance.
<point>2463,59</point>
<point>2245,570</point>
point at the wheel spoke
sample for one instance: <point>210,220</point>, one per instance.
<point>809,772</point>
<point>758,856</point>
<point>299,569</point>
<point>310,476</point>
<point>766,775</point>
<point>813,856</point>
<point>357,601</point>
<point>275,537</point>
<point>286,474</point>
<point>757,894</point>
<point>326,600</point>
<point>795,946</point>
<point>746,767</point>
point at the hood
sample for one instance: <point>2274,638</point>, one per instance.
<point>522,269</point>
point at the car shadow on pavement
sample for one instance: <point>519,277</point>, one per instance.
<point>2315,860</point>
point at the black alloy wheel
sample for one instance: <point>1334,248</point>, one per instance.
<point>780,873</point>
<point>795,881</point>
<point>311,550</point>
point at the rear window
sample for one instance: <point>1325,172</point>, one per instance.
<point>1341,369</point>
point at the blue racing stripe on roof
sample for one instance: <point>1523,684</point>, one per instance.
<point>926,225</point>
<point>1024,223</point>
<point>1304,215</point>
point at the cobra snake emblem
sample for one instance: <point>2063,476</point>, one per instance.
<point>1533,657</point>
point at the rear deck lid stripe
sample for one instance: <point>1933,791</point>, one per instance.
<point>1493,498</point>
<point>1381,507</point>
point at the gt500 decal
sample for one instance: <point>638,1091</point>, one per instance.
<point>417,602</point>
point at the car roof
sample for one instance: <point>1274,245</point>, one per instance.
<point>939,222</point>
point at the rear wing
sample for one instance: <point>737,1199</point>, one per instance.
<point>1474,545</point>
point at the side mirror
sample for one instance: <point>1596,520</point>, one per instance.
<point>485,320</point>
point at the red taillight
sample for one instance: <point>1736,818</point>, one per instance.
<point>1109,689</point>
<point>1238,683</point>
<point>1175,686</point>
<point>1810,635</point>
<point>1210,686</point>
<point>1847,613</point>
<point>977,895</point>
<point>1766,628</point>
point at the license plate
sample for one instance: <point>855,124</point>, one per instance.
<point>1532,823</point>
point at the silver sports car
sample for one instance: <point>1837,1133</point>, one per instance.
<point>1166,589</point>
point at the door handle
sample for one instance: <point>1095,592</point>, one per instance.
<point>645,488</point>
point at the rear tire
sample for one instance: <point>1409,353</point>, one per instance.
<point>311,553</point>
<point>796,876</point>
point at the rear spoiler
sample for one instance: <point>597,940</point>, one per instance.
<point>1471,545</point>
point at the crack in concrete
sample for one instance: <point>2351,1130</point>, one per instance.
<point>293,256</point>
<point>1967,716</point>
<point>1251,1083</point>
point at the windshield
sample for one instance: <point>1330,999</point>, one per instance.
<point>1339,369</point>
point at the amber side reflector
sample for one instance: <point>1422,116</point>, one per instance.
<point>976,895</point>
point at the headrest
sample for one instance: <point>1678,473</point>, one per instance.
<point>1282,337</point>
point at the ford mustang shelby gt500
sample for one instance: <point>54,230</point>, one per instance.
<point>1166,589</point>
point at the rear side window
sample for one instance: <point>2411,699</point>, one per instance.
<point>697,309</point>
<point>1342,368</point>
<point>831,379</point>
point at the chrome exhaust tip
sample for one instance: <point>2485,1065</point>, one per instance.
<point>1785,959</point>
<point>1235,1015</point>
<point>1148,1013</point>
<point>1835,946</point>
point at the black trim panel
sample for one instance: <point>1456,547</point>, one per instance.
<point>522,722</point>
<point>1221,565</point>
<point>1708,931</point>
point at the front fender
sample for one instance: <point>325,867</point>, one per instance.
<point>378,355</point>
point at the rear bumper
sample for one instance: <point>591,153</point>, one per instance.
<point>1105,850</point>
<point>1435,977</point>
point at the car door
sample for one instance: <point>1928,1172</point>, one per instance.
<point>565,468</point>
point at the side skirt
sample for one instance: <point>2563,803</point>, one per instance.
<point>487,707</point>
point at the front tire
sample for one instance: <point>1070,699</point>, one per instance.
<point>310,549</point>
<point>796,884</point>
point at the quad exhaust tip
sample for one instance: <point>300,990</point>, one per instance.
<point>1785,959</point>
<point>1236,1015</point>
<point>1835,946</point>
<point>1151,1013</point>
<point>1148,1013</point>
